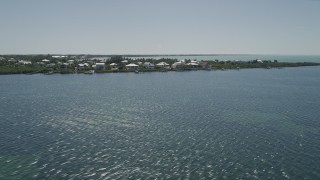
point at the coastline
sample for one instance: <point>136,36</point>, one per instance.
<point>89,64</point>
<point>211,65</point>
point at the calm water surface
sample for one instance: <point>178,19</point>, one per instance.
<point>247,124</point>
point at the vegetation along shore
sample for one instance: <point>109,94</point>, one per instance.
<point>88,64</point>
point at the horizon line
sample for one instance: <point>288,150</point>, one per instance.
<point>173,54</point>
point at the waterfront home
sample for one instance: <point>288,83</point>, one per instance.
<point>80,67</point>
<point>132,66</point>
<point>179,64</point>
<point>194,61</point>
<point>192,65</point>
<point>113,65</point>
<point>124,61</point>
<point>83,66</point>
<point>64,66</point>
<point>100,66</point>
<point>163,65</point>
<point>148,65</point>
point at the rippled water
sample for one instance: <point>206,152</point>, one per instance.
<point>247,124</point>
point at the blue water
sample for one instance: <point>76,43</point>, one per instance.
<point>243,57</point>
<point>247,124</point>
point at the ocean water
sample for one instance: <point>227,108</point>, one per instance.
<point>247,124</point>
<point>242,57</point>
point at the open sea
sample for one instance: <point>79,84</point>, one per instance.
<point>246,124</point>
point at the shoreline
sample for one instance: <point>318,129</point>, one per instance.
<point>213,66</point>
<point>53,64</point>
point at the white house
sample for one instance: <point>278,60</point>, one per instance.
<point>100,66</point>
<point>179,64</point>
<point>113,65</point>
<point>193,65</point>
<point>193,61</point>
<point>81,67</point>
<point>163,65</point>
<point>132,66</point>
<point>148,65</point>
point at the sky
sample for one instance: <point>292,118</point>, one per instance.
<point>160,27</point>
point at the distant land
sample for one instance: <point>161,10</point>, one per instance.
<point>98,63</point>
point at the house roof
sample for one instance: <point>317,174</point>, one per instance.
<point>178,63</point>
<point>131,65</point>
<point>162,64</point>
<point>192,64</point>
<point>100,64</point>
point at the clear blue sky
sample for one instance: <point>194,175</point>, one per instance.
<point>160,26</point>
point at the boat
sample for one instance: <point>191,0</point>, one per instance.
<point>49,73</point>
<point>89,72</point>
<point>136,71</point>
